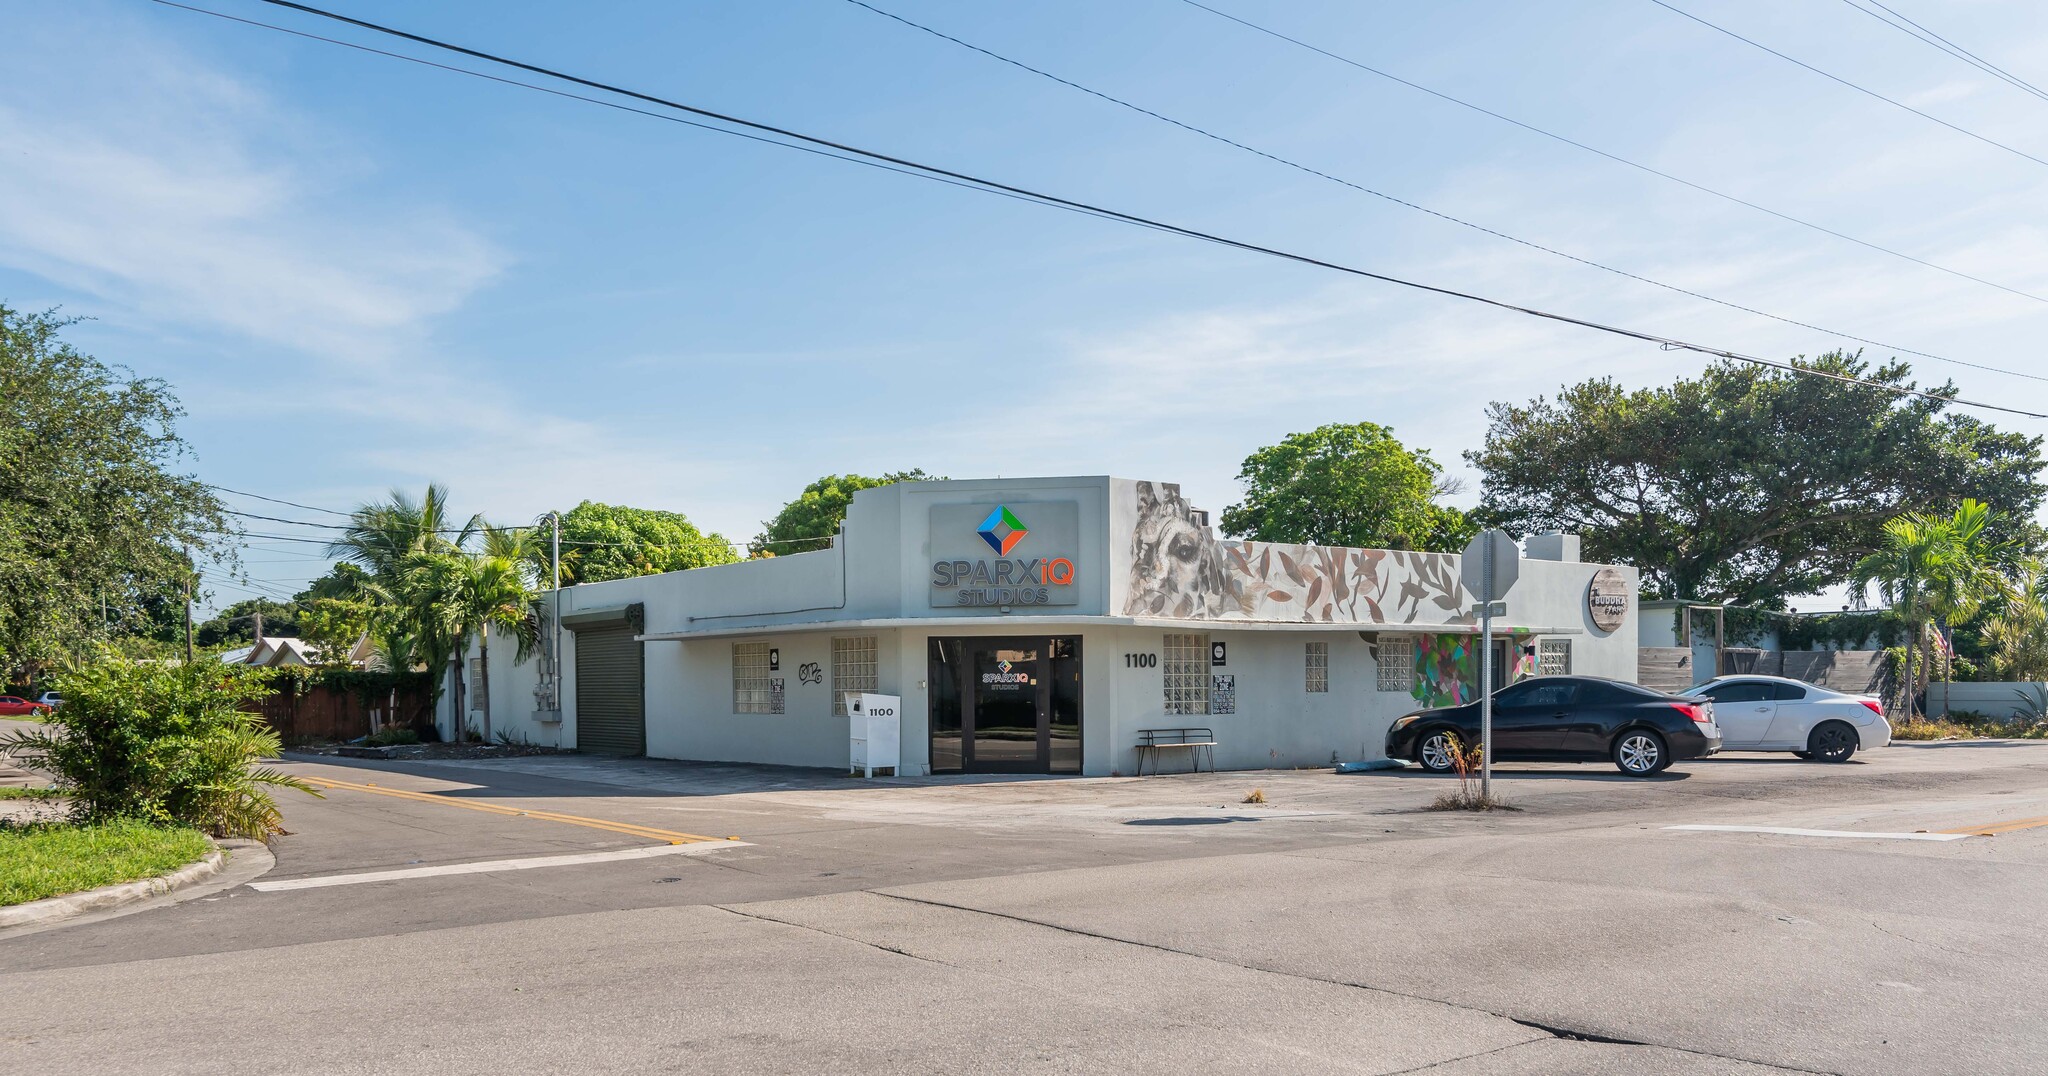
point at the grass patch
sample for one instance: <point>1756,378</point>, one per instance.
<point>1921,728</point>
<point>391,738</point>
<point>1469,799</point>
<point>1256,795</point>
<point>51,859</point>
<point>1961,726</point>
<point>9,793</point>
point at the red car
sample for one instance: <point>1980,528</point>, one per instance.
<point>15,706</point>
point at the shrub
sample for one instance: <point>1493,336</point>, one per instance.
<point>392,737</point>
<point>162,744</point>
<point>1470,796</point>
<point>2033,703</point>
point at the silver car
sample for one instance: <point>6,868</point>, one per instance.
<point>1775,713</point>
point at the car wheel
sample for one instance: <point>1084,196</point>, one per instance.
<point>1640,753</point>
<point>1831,742</point>
<point>1434,752</point>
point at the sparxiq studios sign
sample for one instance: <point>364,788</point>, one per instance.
<point>994,556</point>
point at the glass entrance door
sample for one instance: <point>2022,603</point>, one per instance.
<point>1006,705</point>
<point>1008,731</point>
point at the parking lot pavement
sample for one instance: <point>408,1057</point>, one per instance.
<point>1090,925</point>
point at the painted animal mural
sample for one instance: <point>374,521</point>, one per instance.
<point>1180,569</point>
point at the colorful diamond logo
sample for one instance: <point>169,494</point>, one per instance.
<point>1002,530</point>
<point>1005,665</point>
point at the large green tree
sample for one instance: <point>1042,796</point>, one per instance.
<point>810,521</point>
<point>1346,484</point>
<point>609,541</point>
<point>343,580</point>
<point>1749,485</point>
<point>95,520</point>
<point>237,622</point>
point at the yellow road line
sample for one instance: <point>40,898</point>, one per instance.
<point>627,828</point>
<point>1995,828</point>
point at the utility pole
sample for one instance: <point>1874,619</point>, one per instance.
<point>555,650</point>
<point>188,620</point>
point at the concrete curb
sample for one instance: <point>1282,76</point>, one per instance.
<point>72,905</point>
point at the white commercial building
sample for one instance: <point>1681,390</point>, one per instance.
<point>1045,625</point>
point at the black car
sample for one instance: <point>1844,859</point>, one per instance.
<point>1567,719</point>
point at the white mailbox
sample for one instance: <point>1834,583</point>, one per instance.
<point>875,726</point>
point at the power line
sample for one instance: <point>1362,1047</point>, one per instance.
<point>1859,89</point>
<point>552,91</point>
<point>274,500</point>
<point>294,522</point>
<point>992,186</point>
<point>1616,158</point>
<point>276,537</point>
<point>1922,34</point>
<point>453,530</point>
<point>1496,233</point>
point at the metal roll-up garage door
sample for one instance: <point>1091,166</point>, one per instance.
<point>611,716</point>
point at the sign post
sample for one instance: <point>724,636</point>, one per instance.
<point>1488,569</point>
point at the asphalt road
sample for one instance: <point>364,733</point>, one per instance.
<point>1069,925</point>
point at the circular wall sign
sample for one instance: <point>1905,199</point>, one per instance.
<point>1607,599</point>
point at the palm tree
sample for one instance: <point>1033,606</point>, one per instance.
<point>463,595</point>
<point>389,540</point>
<point>1937,567</point>
<point>1911,549</point>
<point>2018,634</point>
<point>381,536</point>
<point>1967,576</point>
<point>525,547</point>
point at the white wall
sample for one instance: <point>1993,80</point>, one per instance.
<point>1278,722</point>
<point>1992,699</point>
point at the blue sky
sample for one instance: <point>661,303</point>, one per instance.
<point>359,273</point>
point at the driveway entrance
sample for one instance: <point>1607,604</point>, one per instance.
<point>1006,704</point>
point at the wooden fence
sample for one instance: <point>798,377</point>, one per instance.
<point>1860,672</point>
<point>321,712</point>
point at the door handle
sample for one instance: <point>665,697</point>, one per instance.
<point>1562,713</point>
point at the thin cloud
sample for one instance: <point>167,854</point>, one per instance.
<point>142,178</point>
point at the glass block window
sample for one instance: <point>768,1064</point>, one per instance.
<point>1184,661</point>
<point>1397,663</point>
<point>751,692</point>
<point>853,669</point>
<point>1316,668</point>
<point>1553,657</point>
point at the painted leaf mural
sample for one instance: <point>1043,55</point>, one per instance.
<point>1177,562</point>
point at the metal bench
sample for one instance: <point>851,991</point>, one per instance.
<point>1196,742</point>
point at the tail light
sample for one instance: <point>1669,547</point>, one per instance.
<point>1876,707</point>
<point>1692,710</point>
